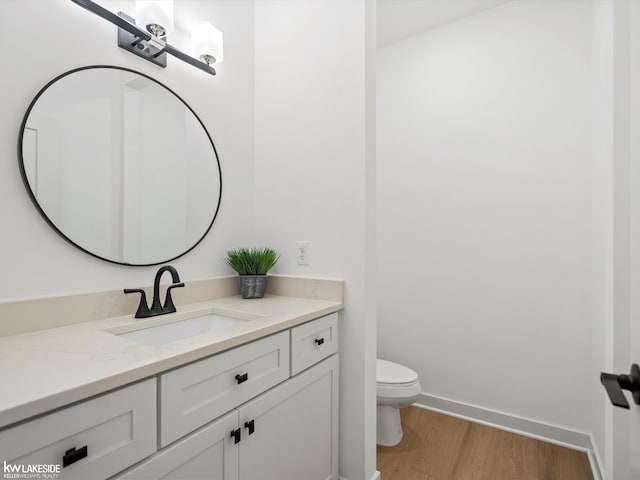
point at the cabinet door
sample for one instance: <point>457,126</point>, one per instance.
<point>295,428</point>
<point>207,454</point>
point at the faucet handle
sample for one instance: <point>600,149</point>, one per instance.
<point>143,308</point>
<point>168,306</point>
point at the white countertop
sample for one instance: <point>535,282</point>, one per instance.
<point>48,369</point>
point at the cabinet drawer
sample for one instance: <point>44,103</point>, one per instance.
<point>313,341</point>
<point>117,429</point>
<point>198,393</point>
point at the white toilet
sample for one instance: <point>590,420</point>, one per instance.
<point>396,386</point>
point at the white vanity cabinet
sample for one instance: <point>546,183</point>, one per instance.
<point>264,410</point>
<point>287,431</point>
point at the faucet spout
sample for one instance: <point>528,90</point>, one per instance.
<point>156,306</point>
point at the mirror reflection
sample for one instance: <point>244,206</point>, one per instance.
<point>120,166</point>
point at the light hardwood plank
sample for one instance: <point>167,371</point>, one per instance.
<point>440,447</point>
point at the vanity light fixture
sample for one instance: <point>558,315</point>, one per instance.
<point>150,41</point>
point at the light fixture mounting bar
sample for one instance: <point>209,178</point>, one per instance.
<point>137,41</point>
<point>143,48</point>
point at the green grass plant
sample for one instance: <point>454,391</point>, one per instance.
<point>252,261</point>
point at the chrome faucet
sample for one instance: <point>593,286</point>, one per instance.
<point>156,307</point>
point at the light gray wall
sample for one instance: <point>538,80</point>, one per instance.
<point>484,210</point>
<point>46,38</point>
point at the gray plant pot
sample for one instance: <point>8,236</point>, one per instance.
<point>253,286</point>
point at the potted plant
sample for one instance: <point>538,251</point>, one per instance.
<point>252,265</point>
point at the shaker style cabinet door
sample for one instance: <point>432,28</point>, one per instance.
<point>291,432</point>
<point>207,454</point>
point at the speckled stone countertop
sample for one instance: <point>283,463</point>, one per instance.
<point>48,369</point>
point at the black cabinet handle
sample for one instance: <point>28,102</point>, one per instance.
<point>319,341</point>
<point>73,455</point>
<point>242,378</point>
<point>614,384</point>
<point>235,434</point>
<point>250,425</point>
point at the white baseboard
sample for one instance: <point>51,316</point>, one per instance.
<point>376,476</point>
<point>514,424</point>
<point>597,467</point>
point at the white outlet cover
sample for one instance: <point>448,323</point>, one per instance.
<point>302,253</point>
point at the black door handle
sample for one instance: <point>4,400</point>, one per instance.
<point>614,384</point>
<point>236,435</point>
<point>319,341</point>
<point>242,378</point>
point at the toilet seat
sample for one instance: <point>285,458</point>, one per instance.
<point>389,374</point>
<point>395,383</point>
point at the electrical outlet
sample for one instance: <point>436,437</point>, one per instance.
<point>302,253</point>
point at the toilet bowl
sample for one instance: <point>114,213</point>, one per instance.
<point>396,386</point>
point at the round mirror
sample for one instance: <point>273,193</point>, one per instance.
<point>120,166</point>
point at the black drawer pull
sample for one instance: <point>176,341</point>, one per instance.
<point>242,378</point>
<point>250,425</point>
<point>235,434</point>
<point>319,341</point>
<point>73,455</point>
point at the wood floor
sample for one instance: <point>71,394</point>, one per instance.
<point>439,447</point>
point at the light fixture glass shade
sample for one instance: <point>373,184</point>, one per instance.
<point>155,12</point>
<point>206,42</point>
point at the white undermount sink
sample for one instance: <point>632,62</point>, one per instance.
<point>170,332</point>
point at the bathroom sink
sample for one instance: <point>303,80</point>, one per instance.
<point>170,332</point>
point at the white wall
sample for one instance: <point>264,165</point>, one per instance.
<point>35,260</point>
<point>484,210</point>
<point>315,166</point>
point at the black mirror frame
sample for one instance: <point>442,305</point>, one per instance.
<point>34,200</point>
